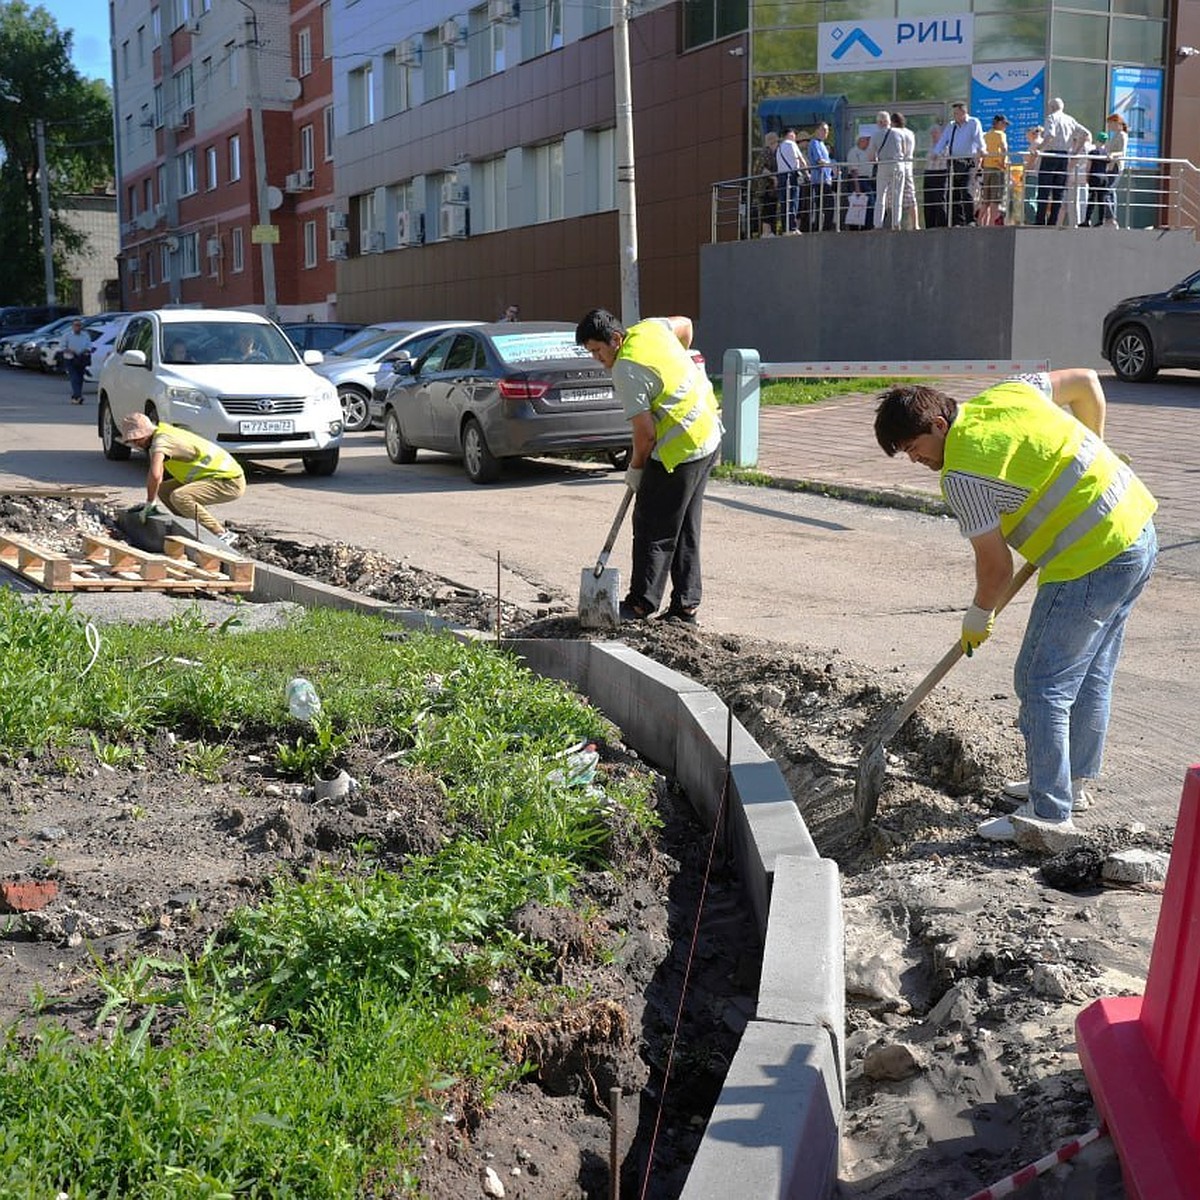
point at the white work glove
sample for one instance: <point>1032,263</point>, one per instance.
<point>976,628</point>
<point>148,510</point>
<point>633,477</point>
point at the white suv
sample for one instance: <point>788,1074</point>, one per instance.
<point>232,377</point>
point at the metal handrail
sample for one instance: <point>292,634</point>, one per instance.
<point>1159,193</point>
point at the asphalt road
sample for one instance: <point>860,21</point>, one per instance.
<point>883,586</point>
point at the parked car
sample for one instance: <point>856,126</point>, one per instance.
<point>1144,333</point>
<point>191,367</point>
<point>25,318</point>
<point>351,365</point>
<point>50,349</point>
<point>102,343</point>
<point>318,335</point>
<point>28,350</point>
<point>491,392</point>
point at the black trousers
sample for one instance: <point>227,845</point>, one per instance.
<point>934,195</point>
<point>962,204</point>
<point>666,534</point>
<point>1052,178</point>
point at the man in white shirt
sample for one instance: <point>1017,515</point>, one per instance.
<point>787,156</point>
<point>887,150</point>
<point>1057,135</point>
<point>962,143</point>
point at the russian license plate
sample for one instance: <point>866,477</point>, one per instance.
<point>592,397</point>
<point>250,427</point>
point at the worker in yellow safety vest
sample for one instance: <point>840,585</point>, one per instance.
<point>676,434</point>
<point>200,472</point>
<point>1024,467</point>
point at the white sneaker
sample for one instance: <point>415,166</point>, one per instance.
<point>1018,789</point>
<point>1004,829</point>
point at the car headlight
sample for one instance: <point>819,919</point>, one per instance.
<point>193,396</point>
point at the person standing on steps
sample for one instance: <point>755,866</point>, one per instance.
<point>1024,467</point>
<point>676,436</point>
<point>187,472</point>
<point>77,353</point>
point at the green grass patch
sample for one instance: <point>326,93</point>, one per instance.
<point>793,392</point>
<point>308,1049</point>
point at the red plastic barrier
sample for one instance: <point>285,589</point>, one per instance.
<point>1141,1054</point>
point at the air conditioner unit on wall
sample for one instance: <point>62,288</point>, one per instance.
<point>214,247</point>
<point>192,26</point>
<point>409,227</point>
<point>171,243</point>
<point>339,250</point>
<point>299,181</point>
<point>506,11</point>
<point>453,222</point>
<point>372,242</point>
<point>451,33</point>
<point>454,192</point>
<point>408,53</point>
<point>179,121</point>
<point>337,220</point>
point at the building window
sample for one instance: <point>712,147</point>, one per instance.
<point>326,30</point>
<point>600,169</point>
<point>707,20</point>
<point>213,242</point>
<point>133,274</point>
<point>408,215</point>
<point>307,160</point>
<point>362,98</point>
<point>158,106</point>
<point>161,172</point>
<point>185,96</point>
<point>304,52</point>
<point>438,61</point>
<point>210,163</point>
<point>125,59</point>
<point>231,62</point>
<point>310,244</point>
<point>187,172</point>
<point>164,257</point>
<point>235,158</point>
<point>548,181</point>
<point>141,46</point>
<point>396,90</point>
<point>131,201</point>
<point>150,280</point>
<point>129,131</point>
<point>328,115</point>
<point>189,255</point>
<point>156,25</point>
<point>489,195</point>
<point>366,219</point>
<point>147,194</point>
<point>146,123</point>
<point>237,249</point>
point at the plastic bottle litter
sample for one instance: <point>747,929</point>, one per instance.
<point>579,767</point>
<point>302,700</point>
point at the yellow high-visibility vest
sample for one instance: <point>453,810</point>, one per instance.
<point>210,461</point>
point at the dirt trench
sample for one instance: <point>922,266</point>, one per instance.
<point>965,968</point>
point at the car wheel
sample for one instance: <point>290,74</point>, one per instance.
<point>113,449</point>
<point>398,450</point>
<point>324,463</point>
<point>481,464</point>
<point>619,459</point>
<point>1132,356</point>
<point>356,408</point>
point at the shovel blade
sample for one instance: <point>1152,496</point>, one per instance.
<point>600,598</point>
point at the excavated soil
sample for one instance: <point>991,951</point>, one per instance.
<point>966,962</point>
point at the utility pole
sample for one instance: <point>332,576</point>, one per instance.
<point>626,189</point>
<point>44,195</point>
<point>263,200</point>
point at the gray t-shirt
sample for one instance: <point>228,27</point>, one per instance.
<point>636,386</point>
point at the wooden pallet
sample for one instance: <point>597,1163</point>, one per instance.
<point>105,565</point>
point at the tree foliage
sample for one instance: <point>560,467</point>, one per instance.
<point>37,79</point>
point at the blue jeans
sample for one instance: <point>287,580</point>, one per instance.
<point>1065,669</point>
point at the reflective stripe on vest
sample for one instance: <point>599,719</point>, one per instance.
<point>210,461</point>
<point>685,411</point>
<point>1084,511</point>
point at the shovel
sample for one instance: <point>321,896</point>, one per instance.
<point>600,586</point>
<point>872,767</point>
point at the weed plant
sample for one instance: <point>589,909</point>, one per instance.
<point>307,1050</point>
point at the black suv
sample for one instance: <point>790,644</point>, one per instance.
<point>15,318</point>
<point>1143,333</point>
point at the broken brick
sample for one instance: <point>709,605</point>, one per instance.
<point>26,895</point>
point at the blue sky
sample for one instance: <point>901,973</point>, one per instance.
<point>89,21</point>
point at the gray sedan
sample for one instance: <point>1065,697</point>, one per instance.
<point>500,391</point>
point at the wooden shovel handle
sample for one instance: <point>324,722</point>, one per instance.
<point>611,540</point>
<point>939,672</point>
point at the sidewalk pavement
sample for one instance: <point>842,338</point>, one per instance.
<point>833,445</point>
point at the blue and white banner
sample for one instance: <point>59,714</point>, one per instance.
<point>895,43</point>
<point>1016,89</point>
<point>1137,94</point>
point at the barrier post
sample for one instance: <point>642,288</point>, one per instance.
<point>739,408</point>
<point>1140,1053</point>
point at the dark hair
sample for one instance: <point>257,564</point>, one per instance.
<point>907,412</point>
<point>898,120</point>
<point>599,325</point>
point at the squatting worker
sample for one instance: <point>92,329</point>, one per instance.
<point>676,435</point>
<point>1024,466</point>
<point>186,473</point>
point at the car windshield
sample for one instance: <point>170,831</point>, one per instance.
<point>545,346</point>
<point>212,342</point>
<point>366,343</point>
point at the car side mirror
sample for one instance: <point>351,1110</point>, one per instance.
<point>135,358</point>
<point>313,357</point>
<point>403,366</point>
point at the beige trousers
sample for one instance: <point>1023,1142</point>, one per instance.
<point>188,500</point>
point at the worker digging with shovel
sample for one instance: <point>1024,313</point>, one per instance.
<point>676,434</point>
<point>1024,467</point>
